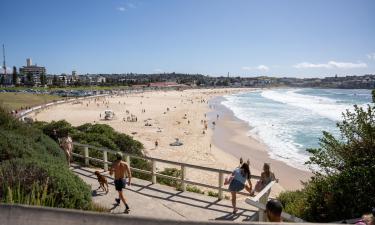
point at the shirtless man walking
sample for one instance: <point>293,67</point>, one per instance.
<point>121,169</point>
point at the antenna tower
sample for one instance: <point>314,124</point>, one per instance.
<point>4,65</point>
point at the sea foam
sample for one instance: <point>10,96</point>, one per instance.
<point>290,120</point>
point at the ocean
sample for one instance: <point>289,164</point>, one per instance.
<point>290,120</point>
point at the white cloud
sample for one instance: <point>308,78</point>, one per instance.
<point>158,70</point>
<point>263,68</point>
<point>331,65</point>
<point>126,6</point>
<point>121,8</point>
<point>371,56</point>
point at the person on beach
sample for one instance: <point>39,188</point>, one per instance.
<point>120,169</point>
<point>266,177</point>
<point>274,210</point>
<point>66,143</point>
<point>237,182</point>
<point>156,143</point>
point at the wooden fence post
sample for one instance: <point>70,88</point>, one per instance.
<point>221,179</point>
<point>127,158</point>
<point>105,159</point>
<point>263,200</point>
<point>86,152</point>
<point>153,172</point>
<point>183,177</point>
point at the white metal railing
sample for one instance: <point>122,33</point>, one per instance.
<point>184,181</point>
<point>259,201</point>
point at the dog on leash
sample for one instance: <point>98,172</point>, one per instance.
<point>102,181</point>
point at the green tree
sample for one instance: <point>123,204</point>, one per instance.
<point>43,79</point>
<point>344,176</point>
<point>14,75</point>
<point>55,81</point>
<point>2,80</point>
<point>30,79</point>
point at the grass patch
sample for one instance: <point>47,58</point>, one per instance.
<point>212,194</point>
<point>14,101</point>
<point>77,88</point>
<point>194,189</point>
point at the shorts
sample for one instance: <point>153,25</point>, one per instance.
<point>236,186</point>
<point>120,184</point>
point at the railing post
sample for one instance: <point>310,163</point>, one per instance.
<point>153,172</point>
<point>263,199</point>
<point>86,152</point>
<point>105,159</point>
<point>183,177</point>
<point>127,158</point>
<point>221,179</point>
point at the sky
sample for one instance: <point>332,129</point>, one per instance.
<point>294,38</point>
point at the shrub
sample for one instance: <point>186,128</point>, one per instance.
<point>344,181</point>
<point>33,169</point>
<point>100,135</point>
<point>194,189</point>
<point>212,194</point>
<point>173,172</point>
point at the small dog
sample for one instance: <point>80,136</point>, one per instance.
<point>102,181</point>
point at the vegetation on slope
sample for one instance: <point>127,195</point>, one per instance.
<point>33,169</point>
<point>343,186</point>
<point>99,135</point>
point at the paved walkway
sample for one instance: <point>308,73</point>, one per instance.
<point>159,201</point>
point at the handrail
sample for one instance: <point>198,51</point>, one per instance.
<point>154,174</point>
<point>162,160</point>
<point>263,191</point>
<point>258,201</point>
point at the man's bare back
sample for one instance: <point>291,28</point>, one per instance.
<point>120,169</point>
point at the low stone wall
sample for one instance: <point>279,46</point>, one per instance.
<point>32,215</point>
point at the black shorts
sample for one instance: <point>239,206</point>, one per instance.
<point>120,184</point>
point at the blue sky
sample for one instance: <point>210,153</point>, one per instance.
<point>301,38</point>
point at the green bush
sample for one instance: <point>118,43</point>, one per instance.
<point>173,172</point>
<point>33,169</point>
<point>194,189</point>
<point>100,135</point>
<point>343,183</point>
<point>212,194</point>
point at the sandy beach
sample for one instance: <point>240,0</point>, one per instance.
<point>181,114</point>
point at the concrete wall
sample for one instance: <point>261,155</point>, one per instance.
<point>32,215</point>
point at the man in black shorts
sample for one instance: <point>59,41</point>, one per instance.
<point>120,170</point>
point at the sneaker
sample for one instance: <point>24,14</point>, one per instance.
<point>127,211</point>
<point>117,201</point>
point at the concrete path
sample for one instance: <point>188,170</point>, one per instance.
<point>160,201</point>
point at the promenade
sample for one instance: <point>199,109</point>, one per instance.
<point>163,202</point>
